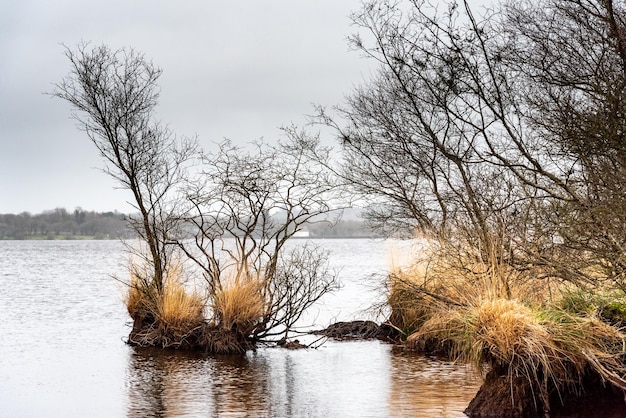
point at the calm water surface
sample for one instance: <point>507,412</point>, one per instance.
<point>62,352</point>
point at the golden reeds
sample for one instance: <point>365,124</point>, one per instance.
<point>166,317</point>
<point>548,347</point>
<point>239,304</point>
<point>178,307</point>
<point>173,316</point>
<point>134,298</point>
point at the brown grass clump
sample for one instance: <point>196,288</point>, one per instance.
<point>239,305</point>
<point>135,298</point>
<point>479,309</point>
<point>435,279</point>
<point>550,348</point>
<point>141,294</point>
<point>179,308</point>
<point>172,317</point>
<point>409,307</point>
<point>497,330</point>
<point>443,277</point>
<point>410,290</point>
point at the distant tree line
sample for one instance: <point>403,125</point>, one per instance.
<point>349,228</point>
<point>59,223</point>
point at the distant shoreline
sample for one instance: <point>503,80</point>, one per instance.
<point>79,224</point>
<point>94,238</point>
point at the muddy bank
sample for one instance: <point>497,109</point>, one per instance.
<point>500,396</point>
<point>149,331</point>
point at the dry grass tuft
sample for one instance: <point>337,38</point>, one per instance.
<point>135,299</point>
<point>409,308</point>
<point>174,305</point>
<point>499,330</point>
<point>486,312</point>
<point>505,329</point>
<point>443,277</point>
<point>239,305</point>
<point>172,317</point>
<point>140,297</point>
<point>179,308</point>
<point>551,348</point>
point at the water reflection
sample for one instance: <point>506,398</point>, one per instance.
<point>174,384</point>
<point>340,379</point>
<point>435,388</point>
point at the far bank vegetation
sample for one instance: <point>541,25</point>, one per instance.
<point>61,224</point>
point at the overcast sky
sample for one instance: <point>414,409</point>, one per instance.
<point>236,69</point>
<point>231,69</point>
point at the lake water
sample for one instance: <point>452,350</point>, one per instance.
<point>62,352</point>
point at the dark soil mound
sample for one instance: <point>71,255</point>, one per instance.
<point>500,396</point>
<point>292,345</point>
<point>222,341</point>
<point>149,331</point>
<point>429,346</point>
<point>359,330</point>
<point>598,399</point>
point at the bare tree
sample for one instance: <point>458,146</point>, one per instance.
<point>422,140</point>
<point>501,133</point>
<point>571,57</point>
<point>246,206</point>
<point>113,94</point>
